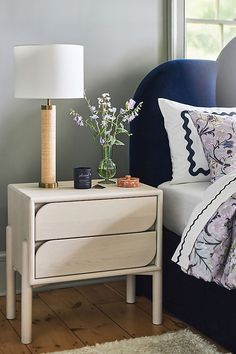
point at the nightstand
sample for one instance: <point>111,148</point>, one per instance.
<point>69,234</point>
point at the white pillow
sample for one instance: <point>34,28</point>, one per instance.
<point>189,163</point>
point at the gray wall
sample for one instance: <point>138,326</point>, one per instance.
<point>123,40</point>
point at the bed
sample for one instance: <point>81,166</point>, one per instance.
<point>206,306</point>
<point>186,196</point>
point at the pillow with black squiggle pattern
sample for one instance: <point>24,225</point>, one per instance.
<point>189,163</point>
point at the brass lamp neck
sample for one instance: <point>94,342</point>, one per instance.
<point>48,106</point>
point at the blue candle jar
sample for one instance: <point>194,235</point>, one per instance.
<point>82,177</point>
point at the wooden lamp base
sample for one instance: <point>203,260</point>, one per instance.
<point>48,147</point>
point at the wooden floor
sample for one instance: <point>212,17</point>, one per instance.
<point>75,317</point>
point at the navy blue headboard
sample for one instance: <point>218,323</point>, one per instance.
<point>187,81</point>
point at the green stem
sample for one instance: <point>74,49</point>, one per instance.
<point>106,152</point>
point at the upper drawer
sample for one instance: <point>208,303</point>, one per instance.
<point>95,217</point>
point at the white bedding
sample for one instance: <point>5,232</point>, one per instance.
<point>179,202</point>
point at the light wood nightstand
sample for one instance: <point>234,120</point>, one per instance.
<point>71,234</point>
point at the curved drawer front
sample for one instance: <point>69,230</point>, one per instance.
<point>94,254</point>
<point>95,217</point>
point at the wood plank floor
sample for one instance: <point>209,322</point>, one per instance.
<point>74,317</point>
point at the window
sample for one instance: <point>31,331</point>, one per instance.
<point>210,25</point>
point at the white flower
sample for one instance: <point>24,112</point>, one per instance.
<point>106,95</point>
<point>112,110</point>
<point>94,116</point>
<point>103,123</point>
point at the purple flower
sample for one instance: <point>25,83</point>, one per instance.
<point>131,117</point>
<point>78,120</point>
<point>102,141</point>
<point>130,104</point>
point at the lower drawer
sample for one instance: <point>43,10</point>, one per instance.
<point>94,254</point>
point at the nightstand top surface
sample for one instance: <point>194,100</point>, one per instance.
<point>66,192</point>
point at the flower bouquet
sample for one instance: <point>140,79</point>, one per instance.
<point>107,124</point>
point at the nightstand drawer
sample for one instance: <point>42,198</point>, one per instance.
<point>95,217</point>
<point>94,254</point>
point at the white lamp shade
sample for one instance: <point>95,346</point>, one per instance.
<point>49,71</point>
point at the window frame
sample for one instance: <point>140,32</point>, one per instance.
<point>176,29</point>
<point>221,23</point>
<point>177,26</point>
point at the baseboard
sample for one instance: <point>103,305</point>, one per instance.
<point>47,287</point>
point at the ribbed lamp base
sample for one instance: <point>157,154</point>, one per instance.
<point>48,147</point>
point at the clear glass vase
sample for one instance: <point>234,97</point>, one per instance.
<point>107,168</point>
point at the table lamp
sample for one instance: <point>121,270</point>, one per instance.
<point>52,71</point>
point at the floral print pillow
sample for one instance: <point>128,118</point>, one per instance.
<point>218,136</point>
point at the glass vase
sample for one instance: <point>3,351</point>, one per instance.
<point>107,168</point>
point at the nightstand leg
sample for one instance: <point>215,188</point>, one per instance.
<point>130,289</point>
<point>10,273</point>
<point>26,298</point>
<point>157,297</point>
